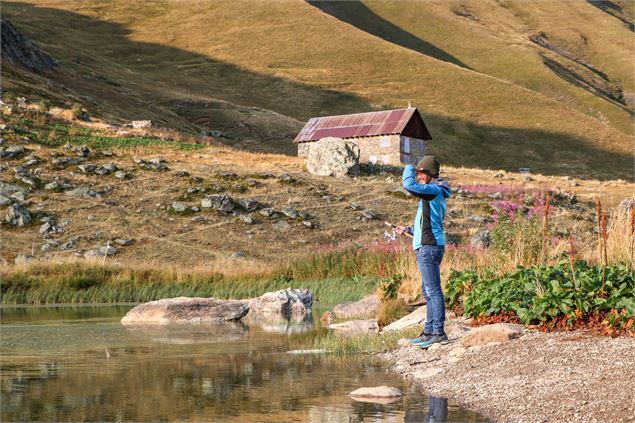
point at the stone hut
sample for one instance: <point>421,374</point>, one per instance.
<point>391,137</point>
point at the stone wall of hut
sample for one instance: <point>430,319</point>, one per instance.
<point>386,149</point>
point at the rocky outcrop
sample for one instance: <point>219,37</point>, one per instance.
<point>499,332</point>
<point>289,304</point>
<point>186,310</point>
<point>333,157</point>
<point>18,215</point>
<point>22,51</point>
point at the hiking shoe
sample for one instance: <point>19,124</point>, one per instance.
<point>424,337</point>
<point>433,339</point>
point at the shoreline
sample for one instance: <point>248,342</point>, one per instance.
<point>557,376</point>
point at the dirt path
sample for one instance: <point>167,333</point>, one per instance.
<point>551,377</point>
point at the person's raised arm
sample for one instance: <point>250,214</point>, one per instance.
<point>410,184</point>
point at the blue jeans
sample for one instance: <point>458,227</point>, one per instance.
<point>429,259</point>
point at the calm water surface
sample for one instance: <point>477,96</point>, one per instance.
<point>77,363</point>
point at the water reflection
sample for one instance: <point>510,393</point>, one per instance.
<point>86,366</point>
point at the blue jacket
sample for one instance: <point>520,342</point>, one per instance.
<point>428,225</point>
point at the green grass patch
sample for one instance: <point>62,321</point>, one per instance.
<point>364,344</point>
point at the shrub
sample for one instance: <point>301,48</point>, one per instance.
<point>44,106</point>
<point>556,296</point>
<point>76,110</point>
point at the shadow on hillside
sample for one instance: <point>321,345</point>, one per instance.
<point>198,88</point>
<point>99,60</point>
<point>614,10</point>
<point>360,16</point>
<point>462,143</point>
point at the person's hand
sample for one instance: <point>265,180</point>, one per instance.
<point>400,229</point>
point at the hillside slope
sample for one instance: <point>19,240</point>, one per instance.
<point>258,70</point>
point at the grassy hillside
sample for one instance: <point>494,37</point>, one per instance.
<point>257,70</point>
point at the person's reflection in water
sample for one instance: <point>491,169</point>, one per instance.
<point>437,412</point>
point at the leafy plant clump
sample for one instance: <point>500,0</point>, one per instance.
<point>553,297</point>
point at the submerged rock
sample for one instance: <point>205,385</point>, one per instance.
<point>377,394</point>
<point>186,310</point>
<point>356,326</point>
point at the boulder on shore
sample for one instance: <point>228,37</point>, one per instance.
<point>417,317</point>
<point>499,332</point>
<point>364,308</point>
<point>333,157</point>
<point>186,310</point>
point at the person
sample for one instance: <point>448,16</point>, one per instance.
<point>428,241</point>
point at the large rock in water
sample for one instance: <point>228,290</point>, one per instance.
<point>498,332</point>
<point>287,304</point>
<point>186,310</point>
<point>333,157</point>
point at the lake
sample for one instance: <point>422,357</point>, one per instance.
<point>78,363</point>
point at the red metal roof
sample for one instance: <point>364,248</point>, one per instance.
<point>370,124</point>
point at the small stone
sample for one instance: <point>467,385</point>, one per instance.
<point>107,153</point>
<point>46,227</point>
<point>53,186</point>
<point>247,219</point>
<point>481,239</point>
<point>496,196</point>
<point>238,254</point>
<point>120,174</point>
<point>369,214</point>
<point>182,173</point>
<point>281,224</point>
<point>249,204</point>
<point>123,242</point>
<point>307,223</point>
<point>499,174</point>
<point>179,207</point>
<point>82,192</point>
<point>221,202</point>
<point>290,212</point>
<point>22,258</point>
<point>87,167</point>
<point>268,212</point>
<point>68,245</point>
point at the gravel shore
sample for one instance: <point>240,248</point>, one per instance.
<point>539,377</point>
